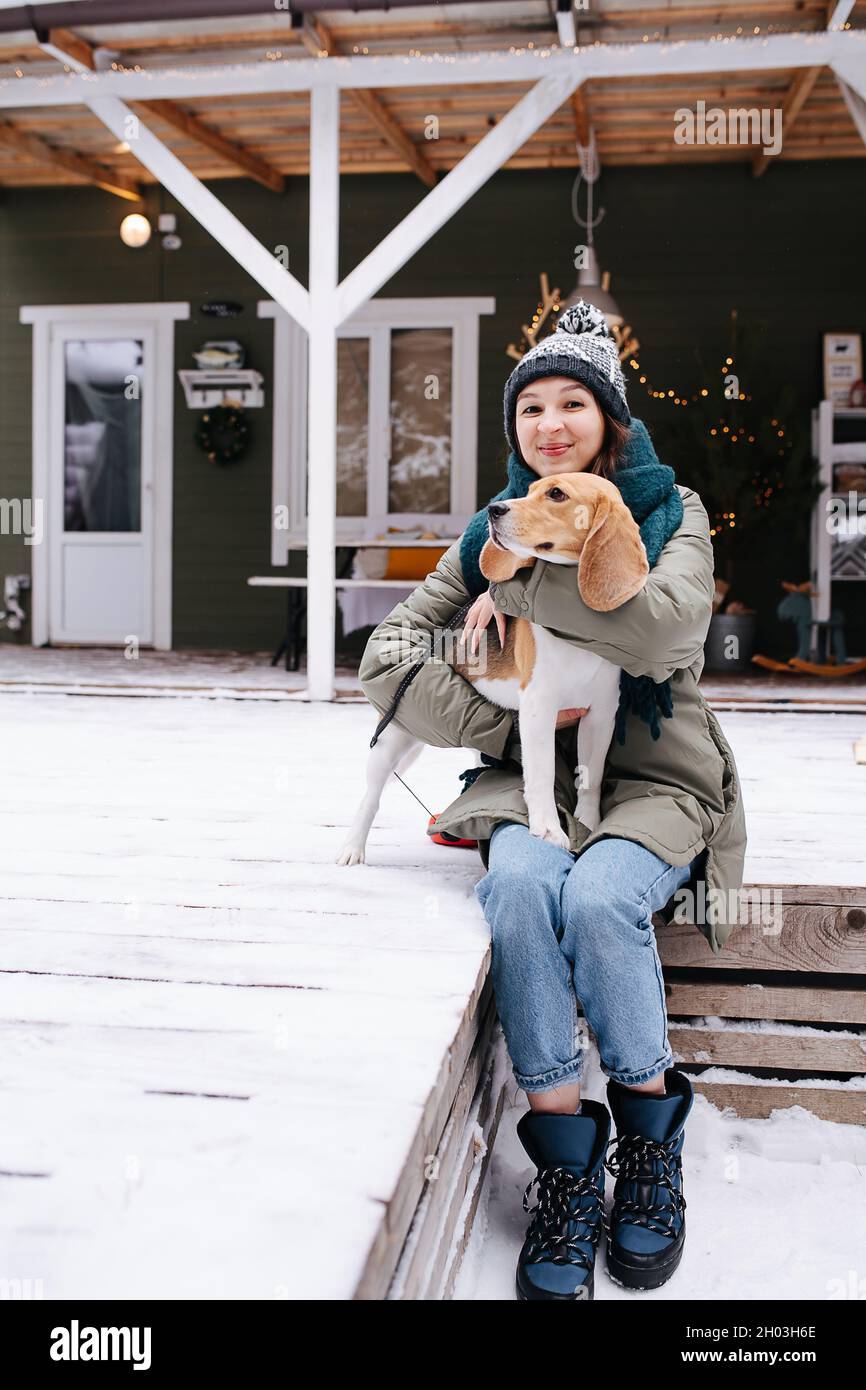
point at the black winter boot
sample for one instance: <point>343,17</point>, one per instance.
<point>647,1225</point>
<point>557,1258</point>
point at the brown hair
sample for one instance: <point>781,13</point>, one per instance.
<point>615,439</point>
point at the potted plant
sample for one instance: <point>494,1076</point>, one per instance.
<point>742,444</point>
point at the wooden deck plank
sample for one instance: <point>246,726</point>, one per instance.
<point>794,1050</point>
<point>758,1102</point>
<point>829,938</point>
<point>825,1005</point>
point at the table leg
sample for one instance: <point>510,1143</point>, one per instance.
<point>296,617</point>
<point>298,630</point>
<point>285,638</point>
<point>289,643</point>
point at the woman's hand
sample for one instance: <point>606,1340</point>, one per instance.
<point>478,618</point>
<point>569,716</point>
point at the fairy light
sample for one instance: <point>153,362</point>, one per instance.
<point>679,398</point>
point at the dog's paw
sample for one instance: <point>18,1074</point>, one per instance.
<point>551,831</point>
<point>351,854</point>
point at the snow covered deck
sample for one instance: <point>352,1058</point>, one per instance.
<point>224,1057</point>
<point>249,675</point>
<point>220,1051</point>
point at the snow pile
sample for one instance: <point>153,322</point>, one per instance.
<point>776,1208</point>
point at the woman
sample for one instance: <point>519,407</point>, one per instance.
<point>569,925</point>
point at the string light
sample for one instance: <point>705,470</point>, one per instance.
<point>737,435</point>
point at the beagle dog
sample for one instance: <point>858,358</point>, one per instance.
<point>577,519</point>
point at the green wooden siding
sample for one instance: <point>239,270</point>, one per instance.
<point>684,245</point>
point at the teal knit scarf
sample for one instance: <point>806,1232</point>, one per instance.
<point>649,491</point>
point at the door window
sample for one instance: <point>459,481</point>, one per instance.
<point>102,434</point>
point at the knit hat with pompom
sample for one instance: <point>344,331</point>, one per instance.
<point>582,348</point>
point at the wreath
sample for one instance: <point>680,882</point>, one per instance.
<point>223,433</point>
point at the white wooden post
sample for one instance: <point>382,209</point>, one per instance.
<point>322,389</point>
<point>821,535</point>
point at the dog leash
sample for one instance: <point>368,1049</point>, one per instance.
<point>404,685</point>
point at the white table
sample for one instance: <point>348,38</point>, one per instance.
<point>296,608</point>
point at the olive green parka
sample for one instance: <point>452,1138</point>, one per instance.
<point>679,795</point>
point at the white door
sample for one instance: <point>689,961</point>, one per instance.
<point>101,465</point>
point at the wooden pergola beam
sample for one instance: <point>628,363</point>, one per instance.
<point>66,43</point>
<point>70,45</point>
<point>800,89</point>
<point>795,99</point>
<point>670,15</point>
<point>320,43</point>
<point>70,161</point>
<point>195,129</point>
<point>582,123</point>
<point>419,29</point>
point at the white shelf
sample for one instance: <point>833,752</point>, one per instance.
<point>827,551</point>
<point>222,386</point>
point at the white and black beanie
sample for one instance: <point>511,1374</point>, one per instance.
<point>582,348</point>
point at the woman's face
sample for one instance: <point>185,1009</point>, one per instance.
<point>559,425</point>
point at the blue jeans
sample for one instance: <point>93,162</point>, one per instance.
<point>565,929</point>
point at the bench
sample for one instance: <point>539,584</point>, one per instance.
<point>806,974</point>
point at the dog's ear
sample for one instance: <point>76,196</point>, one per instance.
<point>498,564</point>
<point>613,563</point>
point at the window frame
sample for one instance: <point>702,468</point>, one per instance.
<point>375,321</point>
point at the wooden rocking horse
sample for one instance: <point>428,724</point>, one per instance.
<point>813,636</point>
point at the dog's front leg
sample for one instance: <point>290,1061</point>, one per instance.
<point>594,734</point>
<point>537,719</point>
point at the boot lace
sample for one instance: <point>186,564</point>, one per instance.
<point>559,1193</point>
<point>637,1158</point>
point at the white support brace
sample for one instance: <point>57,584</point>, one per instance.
<point>841,11</point>
<point>856,104</point>
<point>457,187</point>
<point>231,234</point>
<point>852,71</point>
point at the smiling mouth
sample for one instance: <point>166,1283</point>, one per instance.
<point>554,448</point>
